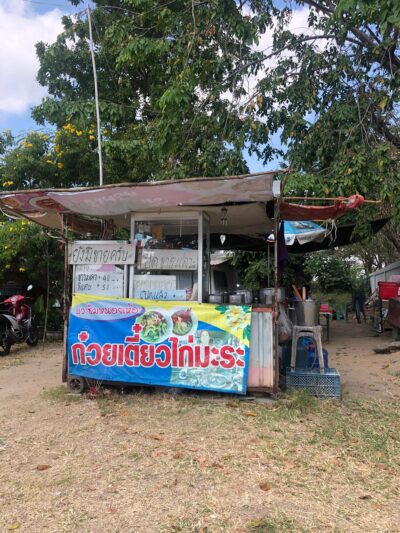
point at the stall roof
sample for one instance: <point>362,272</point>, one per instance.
<point>116,201</point>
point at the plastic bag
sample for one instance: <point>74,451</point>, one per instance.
<point>285,326</point>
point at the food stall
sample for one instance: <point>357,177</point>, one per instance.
<point>142,311</point>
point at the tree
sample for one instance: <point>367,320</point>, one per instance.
<point>26,254</point>
<point>255,270</point>
<point>329,272</point>
<point>170,74</point>
<point>333,91</point>
<point>65,158</point>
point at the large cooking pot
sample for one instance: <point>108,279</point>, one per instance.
<point>236,299</point>
<point>307,312</point>
<point>247,296</point>
<point>216,298</point>
<point>267,295</point>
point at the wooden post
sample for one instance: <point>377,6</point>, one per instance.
<point>66,299</point>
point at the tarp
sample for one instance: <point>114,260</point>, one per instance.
<point>340,206</point>
<point>173,344</point>
<point>301,232</point>
<point>117,201</point>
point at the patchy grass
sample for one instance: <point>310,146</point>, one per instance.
<point>199,464</point>
<point>8,361</point>
<point>60,394</point>
<point>19,355</point>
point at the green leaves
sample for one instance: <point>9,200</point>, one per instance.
<point>246,332</point>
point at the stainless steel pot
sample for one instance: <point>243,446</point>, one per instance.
<point>236,299</point>
<point>247,295</point>
<point>307,313</point>
<point>267,295</point>
<point>216,298</point>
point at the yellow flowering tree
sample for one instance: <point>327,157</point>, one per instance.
<point>64,158</point>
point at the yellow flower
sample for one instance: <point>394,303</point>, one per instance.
<point>45,137</point>
<point>91,132</point>
<point>23,223</point>
<point>8,266</point>
<point>49,161</point>
<point>78,133</point>
<point>69,127</point>
<point>237,319</point>
<point>105,131</point>
<point>60,165</point>
<point>57,148</point>
<point>92,137</point>
<point>28,145</point>
<point>21,269</point>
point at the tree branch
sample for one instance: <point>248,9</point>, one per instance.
<point>385,56</point>
<point>383,129</point>
<point>280,50</point>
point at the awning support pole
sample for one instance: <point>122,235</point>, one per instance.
<point>66,299</point>
<point>277,195</point>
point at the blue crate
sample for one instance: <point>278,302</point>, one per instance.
<point>322,385</point>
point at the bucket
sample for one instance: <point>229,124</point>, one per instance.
<point>313,361</point>
<point>307,313</point>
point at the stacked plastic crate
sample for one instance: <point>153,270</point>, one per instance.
<point>323,383</point>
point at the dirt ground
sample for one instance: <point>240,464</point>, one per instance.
<point>155,462</point>
<point>364,374</point>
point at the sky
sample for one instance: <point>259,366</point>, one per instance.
<point>25,22</point>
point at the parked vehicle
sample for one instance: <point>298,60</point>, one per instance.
<point>16,322</point>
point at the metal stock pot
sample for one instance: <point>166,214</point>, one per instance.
<point>216,298</point>
<point>247,296</point>
<point>236,299</point>
<point>267,295</point>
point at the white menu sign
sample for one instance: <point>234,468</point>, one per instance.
<point>101,253</point>
<point>102,280</point>
<point>168,260</point>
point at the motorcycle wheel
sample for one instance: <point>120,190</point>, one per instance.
<point>33,339</point>
<point>5,343</point>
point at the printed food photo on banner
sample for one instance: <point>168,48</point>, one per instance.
<point>200,346</point>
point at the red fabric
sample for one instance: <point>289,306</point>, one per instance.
<point>318,212</point>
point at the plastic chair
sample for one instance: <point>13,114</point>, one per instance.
<point>314,332</point>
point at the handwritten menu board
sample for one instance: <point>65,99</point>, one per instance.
<point>104,280</point>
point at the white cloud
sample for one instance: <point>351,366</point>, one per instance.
<point>20,29</point>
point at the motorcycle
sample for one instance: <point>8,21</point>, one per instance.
<point>16,323</point>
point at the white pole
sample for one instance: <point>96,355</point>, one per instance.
<point>200,231</point>
<point>96,97</point>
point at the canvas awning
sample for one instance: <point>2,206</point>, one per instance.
<point>116,202</point>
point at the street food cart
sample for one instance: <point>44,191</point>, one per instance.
<point>141,310</point>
